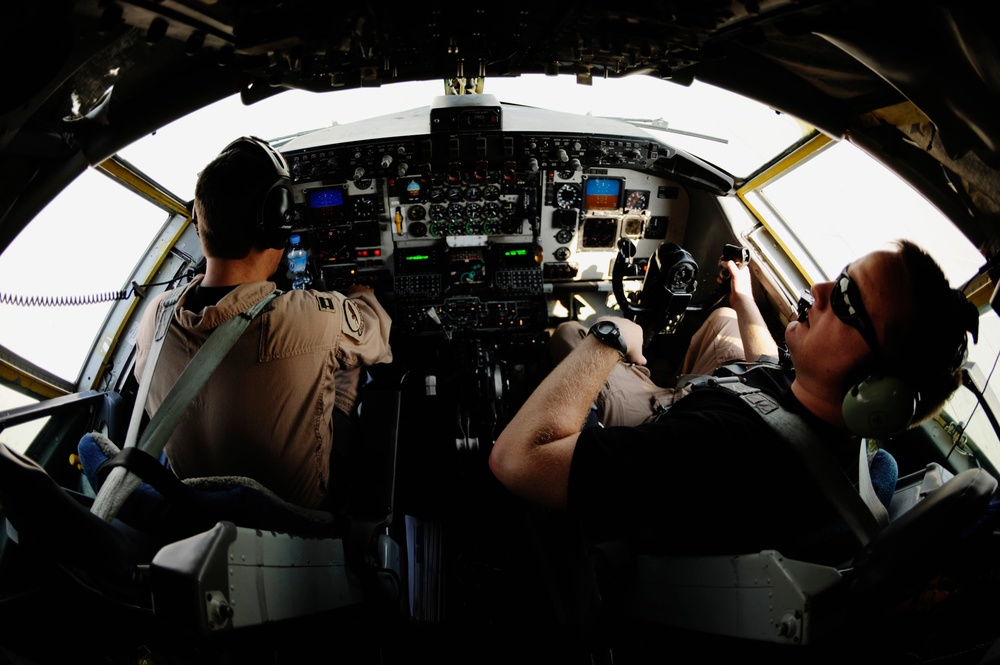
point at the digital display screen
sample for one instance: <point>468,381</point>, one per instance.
<point>411,189</point>
<point>416,261</point>
<point>515,256</point>
<point>602,194</point>
<point>326,205</point>
<point>326,198</point>
<point>467,267</point>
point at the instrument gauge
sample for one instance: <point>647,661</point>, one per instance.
<point>636,199</point>
<point>561,254</point>
<point>473,193</point>
<point>473,210</point>
<point>364,207</point>
<point>455,194</point>
<point>491,192</point>
<point>436,195</point>
<point>567,195</point>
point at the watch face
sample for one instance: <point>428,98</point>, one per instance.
<point>609,333</point>
<point>607,327</point>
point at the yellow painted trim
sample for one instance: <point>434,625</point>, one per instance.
<point>112,343</point>
<point>118,169</point>
<point>122,171</point>
<point>37,386</point>
<point>808,149</point>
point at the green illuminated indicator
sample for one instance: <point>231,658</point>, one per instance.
<point>418,257</point>
<point>516,252</point>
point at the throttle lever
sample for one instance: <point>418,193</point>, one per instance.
<point>737,254</point>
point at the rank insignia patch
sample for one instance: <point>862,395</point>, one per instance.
<point>354,320</point>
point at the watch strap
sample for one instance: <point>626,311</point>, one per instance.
<point>609,333</point>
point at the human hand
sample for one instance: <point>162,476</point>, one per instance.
<point>359,288</point>
<point>740,284</point>
<point>632,333</point>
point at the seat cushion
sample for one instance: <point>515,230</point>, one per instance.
<point>170,508</point>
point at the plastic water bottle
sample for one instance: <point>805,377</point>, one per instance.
<point>297,257</point>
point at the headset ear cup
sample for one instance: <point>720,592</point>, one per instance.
<point>275,211</point>
<point>879,406</point>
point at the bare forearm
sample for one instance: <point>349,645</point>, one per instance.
<point>560,403</point>
<point>757,339</point>
<point>533,454</point>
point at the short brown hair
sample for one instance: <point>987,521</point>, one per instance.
<point>228,196</point>
<point>927,346</point>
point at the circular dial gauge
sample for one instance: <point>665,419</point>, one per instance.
<point>637,199</point>
<point>436,195</point>
<point>364,207</point>
<point>567,195</point>
<point>437,212</point>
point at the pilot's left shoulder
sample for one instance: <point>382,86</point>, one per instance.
<point>353,315</point>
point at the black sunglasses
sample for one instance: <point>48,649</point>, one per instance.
<point>845,300</point>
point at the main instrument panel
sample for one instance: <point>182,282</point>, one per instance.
<point>470,215</point>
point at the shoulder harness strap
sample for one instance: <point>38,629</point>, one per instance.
<point>121,482</point>
<point>860,509</point>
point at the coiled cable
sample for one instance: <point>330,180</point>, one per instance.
<point>93,299</point>
<point>61,301</point>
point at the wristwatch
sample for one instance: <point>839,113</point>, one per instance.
<point>608,333</point>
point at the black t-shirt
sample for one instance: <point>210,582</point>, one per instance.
<point>710,476</point>
<point>203,296</point>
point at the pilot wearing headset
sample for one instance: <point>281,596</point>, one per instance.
<point>880,349</point>
<point>287,390</point>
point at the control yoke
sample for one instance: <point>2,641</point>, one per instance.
<point>670,280</point>
<point>668,285</point>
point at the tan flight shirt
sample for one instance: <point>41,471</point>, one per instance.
<point>267,410</point>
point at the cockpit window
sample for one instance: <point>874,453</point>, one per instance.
<point>63,271</point>
<point>732,132</point>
